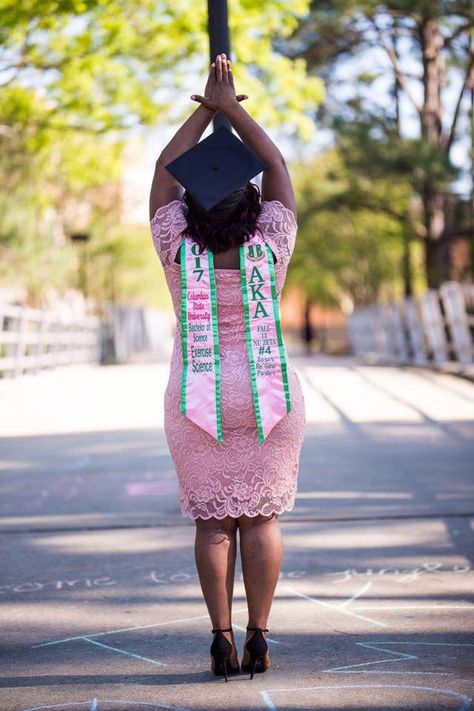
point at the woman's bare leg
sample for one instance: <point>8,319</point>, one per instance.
<point>261,550</point>
<point>215,551</point>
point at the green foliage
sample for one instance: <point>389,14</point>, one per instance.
<point>124,267</point>
<point>371,128</point>
<point>75,76</point>
<point>348,245</point>
<point>373,155</point>
<point>28,255</point>
<point>115,63</point>
<point>46,174</point>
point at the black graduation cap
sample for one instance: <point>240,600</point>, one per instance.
<point>215,167</point>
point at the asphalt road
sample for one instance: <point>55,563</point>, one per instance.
<point>100,604</point>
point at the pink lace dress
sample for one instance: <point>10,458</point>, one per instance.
<point>239,476</point>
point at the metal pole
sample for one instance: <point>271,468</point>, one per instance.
<point>219,41</point>
<point>471,236</point>
<point>82,238</point>
<point>471,211</point>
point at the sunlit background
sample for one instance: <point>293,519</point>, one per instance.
<point>371,105</point>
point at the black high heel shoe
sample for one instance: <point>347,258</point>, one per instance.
<point>221,649</point>
<point>257,648</point>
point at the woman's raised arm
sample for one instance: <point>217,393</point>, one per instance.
<point>276,182</point>
<point>165,188</point>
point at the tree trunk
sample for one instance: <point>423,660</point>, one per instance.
<point>437,259</point>
<point>397,90</point>
<point>406,266</point>
<point>437,252</point>
<point>308,327</point>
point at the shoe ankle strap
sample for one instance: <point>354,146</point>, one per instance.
<point>257,629</point>
<point>229,629</point>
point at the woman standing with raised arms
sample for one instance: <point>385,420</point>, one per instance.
<point>234,409</point>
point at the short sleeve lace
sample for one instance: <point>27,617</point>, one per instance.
<point>167,227</point>
<point>279,227</point>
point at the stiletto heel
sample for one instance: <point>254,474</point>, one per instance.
<point>257,648</point>
<point>220,652</point>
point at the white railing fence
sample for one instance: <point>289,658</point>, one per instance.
<point>34,339</point>
<point>129,331</point>
<point>434,330</point>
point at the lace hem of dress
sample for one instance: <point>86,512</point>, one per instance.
<point>244,512</point>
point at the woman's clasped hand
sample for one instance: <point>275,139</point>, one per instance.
<point>219,92</point>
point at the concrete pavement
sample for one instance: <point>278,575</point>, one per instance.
<point>100,604</point>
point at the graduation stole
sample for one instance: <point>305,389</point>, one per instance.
<point>201,378</point>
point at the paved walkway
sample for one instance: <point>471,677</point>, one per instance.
<point>100,604</point>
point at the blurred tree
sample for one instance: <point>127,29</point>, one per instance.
<point>428,48</point>
<point>48,175</point>
<point>383,176</point>
<point>346,252</point>
<point>77,75</point>
<point>105,64</point>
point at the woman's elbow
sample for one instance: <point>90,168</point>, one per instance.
<point>160,163</point>
<point>276,161</point>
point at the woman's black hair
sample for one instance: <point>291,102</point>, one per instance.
<point>220,234</point>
